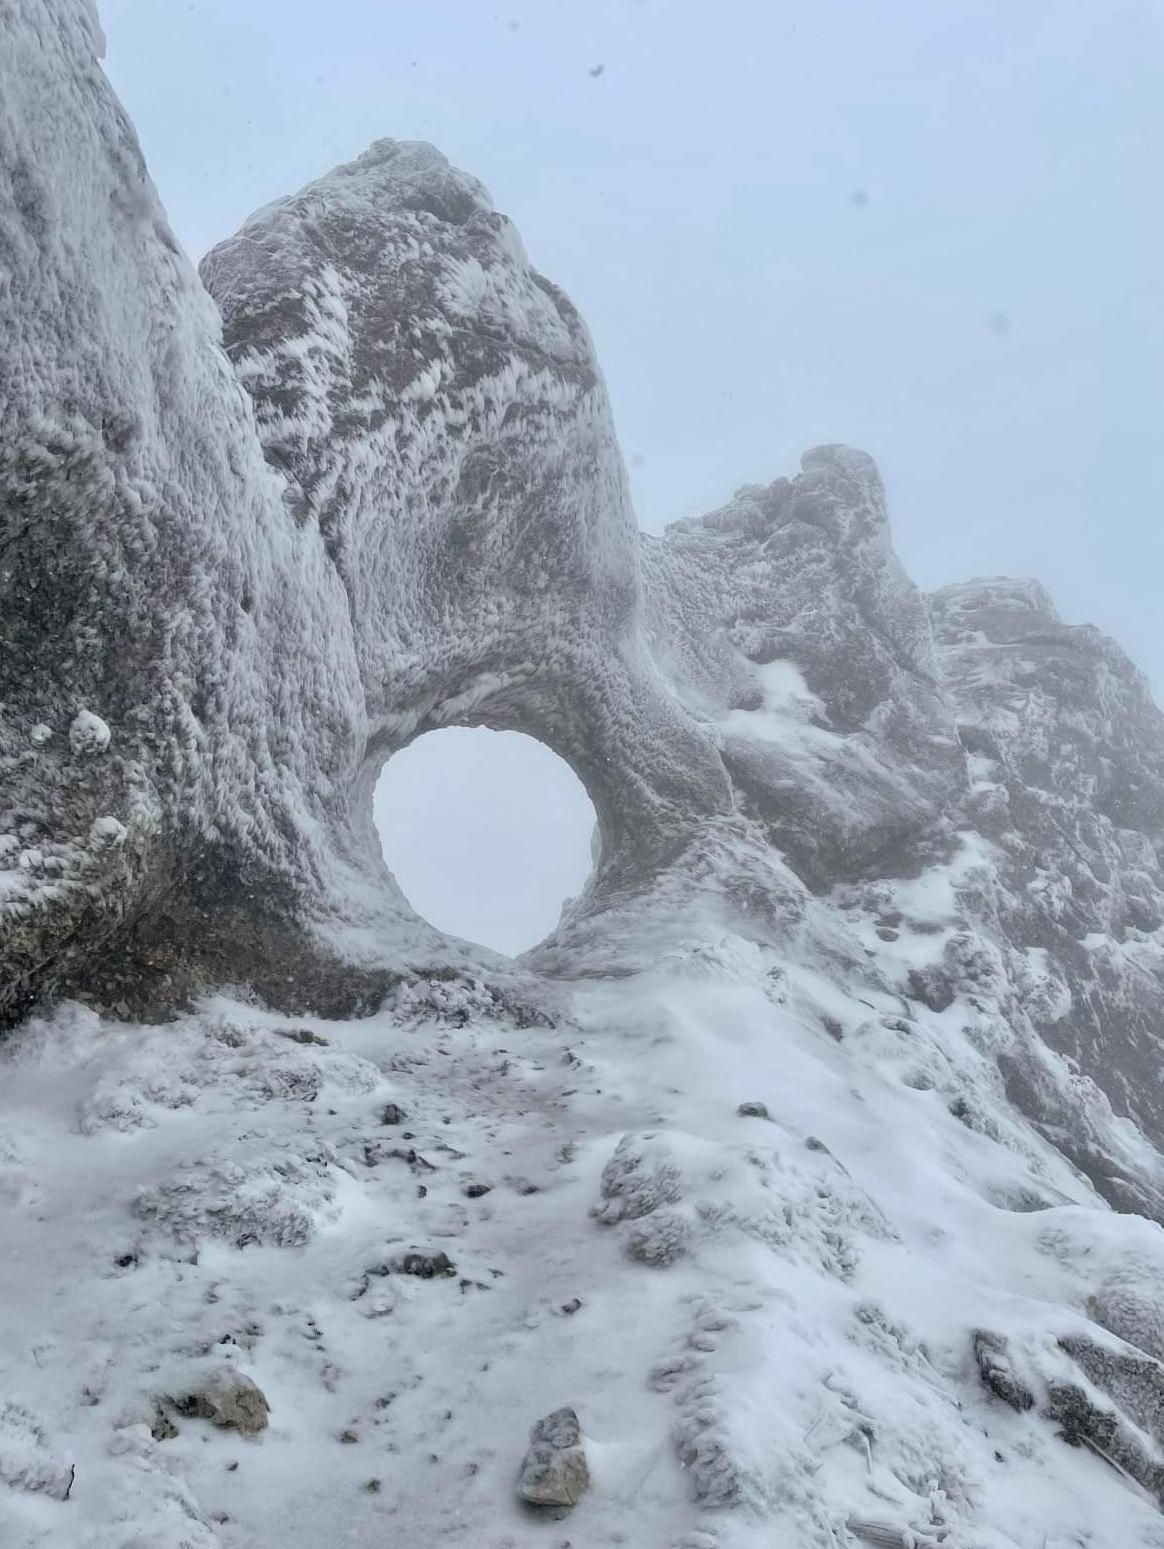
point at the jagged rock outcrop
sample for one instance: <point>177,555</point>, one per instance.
<point>1065,751</point>
<point>787,621</point>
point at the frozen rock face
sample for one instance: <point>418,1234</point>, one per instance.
<point>227,645</point>
<point>236,604</point>
<point>436,408</point>
<point>786,619</point>
<point>181,713</point>
<point>1065,751</point>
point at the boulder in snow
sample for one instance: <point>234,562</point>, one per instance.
<point>555,1471</point>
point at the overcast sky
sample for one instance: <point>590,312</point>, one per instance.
<point>931,228</point>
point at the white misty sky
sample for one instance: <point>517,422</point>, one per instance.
<point>494,870</point>
<point>931,228</point>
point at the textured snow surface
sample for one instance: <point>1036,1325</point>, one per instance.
<point>766,1325</point>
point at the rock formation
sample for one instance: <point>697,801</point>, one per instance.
<point>259,531</point>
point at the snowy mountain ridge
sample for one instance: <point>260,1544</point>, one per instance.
<point>814,1162</point>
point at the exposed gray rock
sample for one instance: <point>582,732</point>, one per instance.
<point>1086,1423</point>
<point>998,1374</point>
<point>428,1266</point>
<point>554,1471</point>
<point>1134,1381</point>
<point>230,1400</point>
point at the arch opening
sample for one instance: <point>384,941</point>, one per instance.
<point>487,833</point>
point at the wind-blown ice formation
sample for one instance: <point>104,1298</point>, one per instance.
<point>814,1161</point>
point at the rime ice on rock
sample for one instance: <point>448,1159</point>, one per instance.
<point>555,1471</point>
<point>88,733</point>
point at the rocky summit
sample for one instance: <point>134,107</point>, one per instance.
<point>808,1179</point>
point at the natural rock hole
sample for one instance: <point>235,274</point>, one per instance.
<point>487,833</point>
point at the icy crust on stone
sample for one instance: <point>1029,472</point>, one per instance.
<point>176,653</point>
<point>787,623</point>
<point>1065,752</point>
<point>437,408</point>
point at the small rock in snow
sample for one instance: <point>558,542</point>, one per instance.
<point>162,1428</point>
<point>753,1111</point>
<point>228,1399</point>
<point>303,1035</point>
<point>392,1113</point>
<point>994,1366</point>
<point>428,1266</point>
<point>554,1471</point>
<point>89,733</point>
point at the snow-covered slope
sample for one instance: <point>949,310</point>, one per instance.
<point>812,1162</point>
<point>771,1325</point>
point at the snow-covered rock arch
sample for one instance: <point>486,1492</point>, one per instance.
<point>396,502</point>
<point>436,409</point>
<point>414,516</point>
<point>234,581</point>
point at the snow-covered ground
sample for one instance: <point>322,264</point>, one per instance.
<point>765,1324</point>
